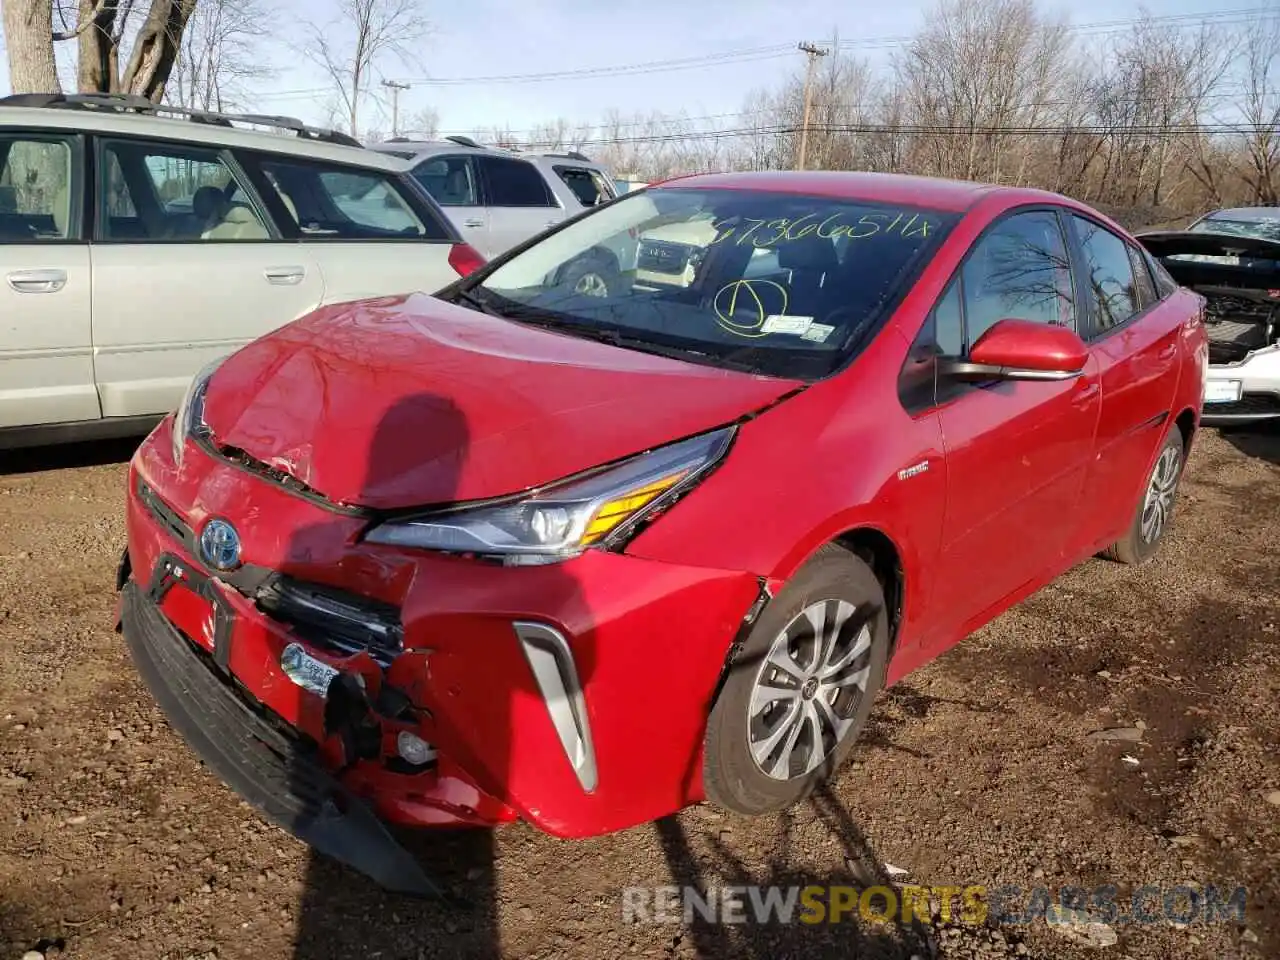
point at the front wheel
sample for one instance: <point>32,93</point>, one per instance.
<point>592,277</point>
<point>800,689</point>
<point>1155,511</point>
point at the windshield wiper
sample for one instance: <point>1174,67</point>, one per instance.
<point>476,303</point>
<point>616,338</point>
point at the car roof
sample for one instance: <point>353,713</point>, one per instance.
<point>953,196</point>
<point>187,131</point>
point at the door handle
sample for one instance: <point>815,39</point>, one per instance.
<point>284,276</point>
<point>473,223</point>
<point>37,281</point>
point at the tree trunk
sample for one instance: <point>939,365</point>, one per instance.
<point>28,33</point>
<point>97,68</point>
<point>155,50</point>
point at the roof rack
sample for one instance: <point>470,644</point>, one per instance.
<point>571,155</point>
<point>464,141</point>
<point>128,102</point>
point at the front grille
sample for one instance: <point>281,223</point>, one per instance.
<point>1254,404</point>
<point>333,619</point>
<point>661,256</point>
<point>165,515</point>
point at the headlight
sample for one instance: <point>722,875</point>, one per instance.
<point>564,519</point>
<point>188,419</point>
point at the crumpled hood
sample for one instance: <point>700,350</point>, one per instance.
<point>409,401</point>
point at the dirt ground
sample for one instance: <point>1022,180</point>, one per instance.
<point>984,768</point>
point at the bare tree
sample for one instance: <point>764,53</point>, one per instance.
<point>156,40</point>
<point>218,61</point>
<point>423,125</point>
<point>99,27</point>
<point>1158,79</point>
<point>362,34</point>
<point>978,72</point>
<point>1261,107</point>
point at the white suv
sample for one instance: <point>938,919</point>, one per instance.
<point>500,198</point>
<point>138,243</point>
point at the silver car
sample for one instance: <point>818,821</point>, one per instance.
<point>1232,258</point>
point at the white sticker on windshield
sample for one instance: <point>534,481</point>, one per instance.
<point>784,323</point>
<point>817,332</point>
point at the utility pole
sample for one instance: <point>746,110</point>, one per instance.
<point>395,89</point>
<point>813,52</point>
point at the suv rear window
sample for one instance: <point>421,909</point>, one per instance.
<point>348,204</point>
<point>588,185</point>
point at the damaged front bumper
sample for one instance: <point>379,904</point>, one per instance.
<point>573,696</point>
<point>274,771</point>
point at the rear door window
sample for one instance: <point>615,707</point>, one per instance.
<point>588,185</point>
<point>451,181</point>
<point>342,203</point>
<point>1144,286</point>
<point>162,192</point>
<point>1108,274</point>
<point>514,183</point>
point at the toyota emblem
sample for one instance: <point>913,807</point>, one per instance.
<point>220,545</point>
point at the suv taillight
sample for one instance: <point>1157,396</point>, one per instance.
<point>465,259</point>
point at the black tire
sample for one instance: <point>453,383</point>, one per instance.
<point>1137,546</point>
<point>731,775</point>
<point>592,276</point>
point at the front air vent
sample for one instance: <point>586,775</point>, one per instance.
<point>332,619</point>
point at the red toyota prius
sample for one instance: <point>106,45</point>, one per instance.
<point>648,510</point>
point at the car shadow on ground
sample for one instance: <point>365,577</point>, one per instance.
<point>836,929</point>
<point>342,912</point>
<point>1261,442</point>
<point>67,456</point>
<point>831,923</point>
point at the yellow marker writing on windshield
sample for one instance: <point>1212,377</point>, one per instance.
<point>745,295</point>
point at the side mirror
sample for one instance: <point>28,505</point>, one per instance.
<point>1021,350</point>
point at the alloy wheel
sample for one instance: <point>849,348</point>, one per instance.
<point>591,285</point>
<point>807,690</point>
<point>1158,504</point>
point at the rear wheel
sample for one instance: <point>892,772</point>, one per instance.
<point>1155,511</point>
<point>800,689</point>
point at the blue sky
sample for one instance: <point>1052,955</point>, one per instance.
<point>486,38</point>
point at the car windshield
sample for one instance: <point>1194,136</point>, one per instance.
<point>1264,228</point>
<point>1259,227</point>
<point>781,284</point>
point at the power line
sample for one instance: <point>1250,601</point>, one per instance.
<point>924,130</point>
<point>777,51</point>
<point>674,119</point>
<point>782,50</point>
